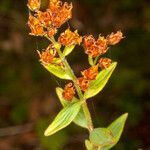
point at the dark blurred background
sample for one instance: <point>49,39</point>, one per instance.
<point>28,102</point>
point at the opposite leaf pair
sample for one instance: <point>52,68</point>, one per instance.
<point>106,138</point>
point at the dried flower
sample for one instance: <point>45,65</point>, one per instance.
<point>83,83</point>
<point>34,5</point>
<point>69,38</point>
<point>60,12</point>
<point>44,17</point>
<point>69,92</point>
<point>48,55</point>
<point>35,26</point>
<point>104,63</point>
<point>102,44</point>
<point>90,73</point>
<point>89,42</point>
<point>94,47</point>
<point>55,5</point>
<point>114,38</point>
<point>48,21</point>
<point>51,31</point>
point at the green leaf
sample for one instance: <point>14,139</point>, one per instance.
<point>68,50</point>
<point>98,84</point>
<point>106,138</point>
<point>63,119</point>
<point>116,128</point>
<point>58,71</point>
<point>101,137</point>
<point>80,118</point>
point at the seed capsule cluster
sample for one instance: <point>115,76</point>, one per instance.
<point>47,22</point>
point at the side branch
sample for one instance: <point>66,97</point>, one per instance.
<point>70,71</point>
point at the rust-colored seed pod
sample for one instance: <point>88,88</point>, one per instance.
<point>51,32</point>
<point>69,38</point>
<point>93,51</point>
<point>55,5</point>
<point>114,38</point>
<point>83,83</point>
<point>91,73</point>
<point>105,63</point>
<point>47,22</point>
<point>69,92</point>
<point>102,44</point>
<point>35,26</point>
<point>44,17</point>
<point>60,13</point>
<point>95,47</point>
<point>34,5</point>
<point>48,55</point>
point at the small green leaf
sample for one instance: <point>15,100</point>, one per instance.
<point>101,137</point>
<point>98,84</point>
<point>68,50</point>
<point>58,71</point>
<point>63,119</point>
<point>80,118</point>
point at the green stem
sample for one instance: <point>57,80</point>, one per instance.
<point>88,116</point>
<point>90,59</point>
<point>95,61</point>
<point>74,79</point>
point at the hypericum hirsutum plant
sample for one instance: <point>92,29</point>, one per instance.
<point>78,90</point>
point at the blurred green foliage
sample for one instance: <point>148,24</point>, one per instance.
<point>54,142</point>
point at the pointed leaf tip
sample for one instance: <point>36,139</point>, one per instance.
<point>116,128</point>
<point>68,50</point>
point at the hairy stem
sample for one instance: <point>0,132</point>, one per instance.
<point>74,79</point>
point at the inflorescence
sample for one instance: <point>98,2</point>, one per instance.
<point>46,24</point>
